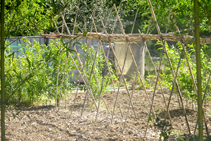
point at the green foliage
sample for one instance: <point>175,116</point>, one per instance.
<point>99,68</point>
<point>184,76</point>
<point>31,75</point>
<point>164,127</point>
<point>23,17</point>
<point>196,138</point>
<point>182,9</point>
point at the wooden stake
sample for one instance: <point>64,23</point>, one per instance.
<point>195,87</point>
<point>159,33</point>
<point>154,93</point>
<point>84,78</point>
<point>172,89</point>
<point>90,78</point>
<point>65,96</point>
<point>107,58</point>
<point>2,72</point>
<point>205,92</point>
<point>75,20</point>
<point>76,94</point>
<point>128,43</point>
<point>145,45</point>
<point>120,71</point>
<point>116,17</point>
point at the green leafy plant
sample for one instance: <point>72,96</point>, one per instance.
<point>184,77</point>
<point>30,75</point>
<point>99,68</point>
<point>164,127</point>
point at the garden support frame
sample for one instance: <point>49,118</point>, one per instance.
<point>128,38</point>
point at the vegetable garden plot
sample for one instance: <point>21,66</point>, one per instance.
<point>96,80</point>
<point>46,123</point>
<point>97,73</point>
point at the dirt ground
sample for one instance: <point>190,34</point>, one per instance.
<point>47,123</point>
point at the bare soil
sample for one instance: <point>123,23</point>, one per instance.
<point>50,124</point>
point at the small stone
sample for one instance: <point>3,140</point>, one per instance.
<point>130,132</point>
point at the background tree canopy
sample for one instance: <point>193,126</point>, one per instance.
<point>26,17</point>
<point>33,17</point>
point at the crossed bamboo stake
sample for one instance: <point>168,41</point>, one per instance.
<point>195,87</point>
<point>80,63</point>
<point>120,75</point>
<point>176,82</point>
<point>164,49</point>
<point>128,45</point>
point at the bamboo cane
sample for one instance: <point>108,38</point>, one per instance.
<point>85,24</point>
<point>65,67</point>
<point>65,96</point>
<point>57,78</point>
<point>107,58</point>
<point>62,23</point>
<point>183,47</point>
<point>80,65</point>
<point>94,14</point>
<point>133,87</point>
<point>168,19</point>
<point>117,97</point>
<point>88,42</point>
<point>159,33</point>
<point>195,87</point>
<point>128,44</point>
<point>79,82</point>
<point>90,79</point>
<point>107,21</point>
<point>118,67</point>
<point>59,62</point>
<point>55,25</point>
<point>131,52</point>
<point>154,92</point>
<point>2,74</point>
<point>75,19</point>
<point>92,70</point>
<point>145,45</point>
<point>104,71</point>
<point>120,4</point>
<point>79,60</point>
<point>148,27</point>
<point>198,67</point>
<point>76,94</point>
<point>178,65</point>
<point>205,92</point>
<point>63,77</point>
<point>134,21</point>
<point>121,77</point>
<point>95,74</point>
<point>84,79</point>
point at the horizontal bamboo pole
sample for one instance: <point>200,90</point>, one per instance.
<point>134,37</point>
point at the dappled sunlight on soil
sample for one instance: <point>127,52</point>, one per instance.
<point>47,123</point>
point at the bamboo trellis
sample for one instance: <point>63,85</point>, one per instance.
<point>128,38</point>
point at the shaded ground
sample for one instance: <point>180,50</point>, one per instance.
<point>47,123</point>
